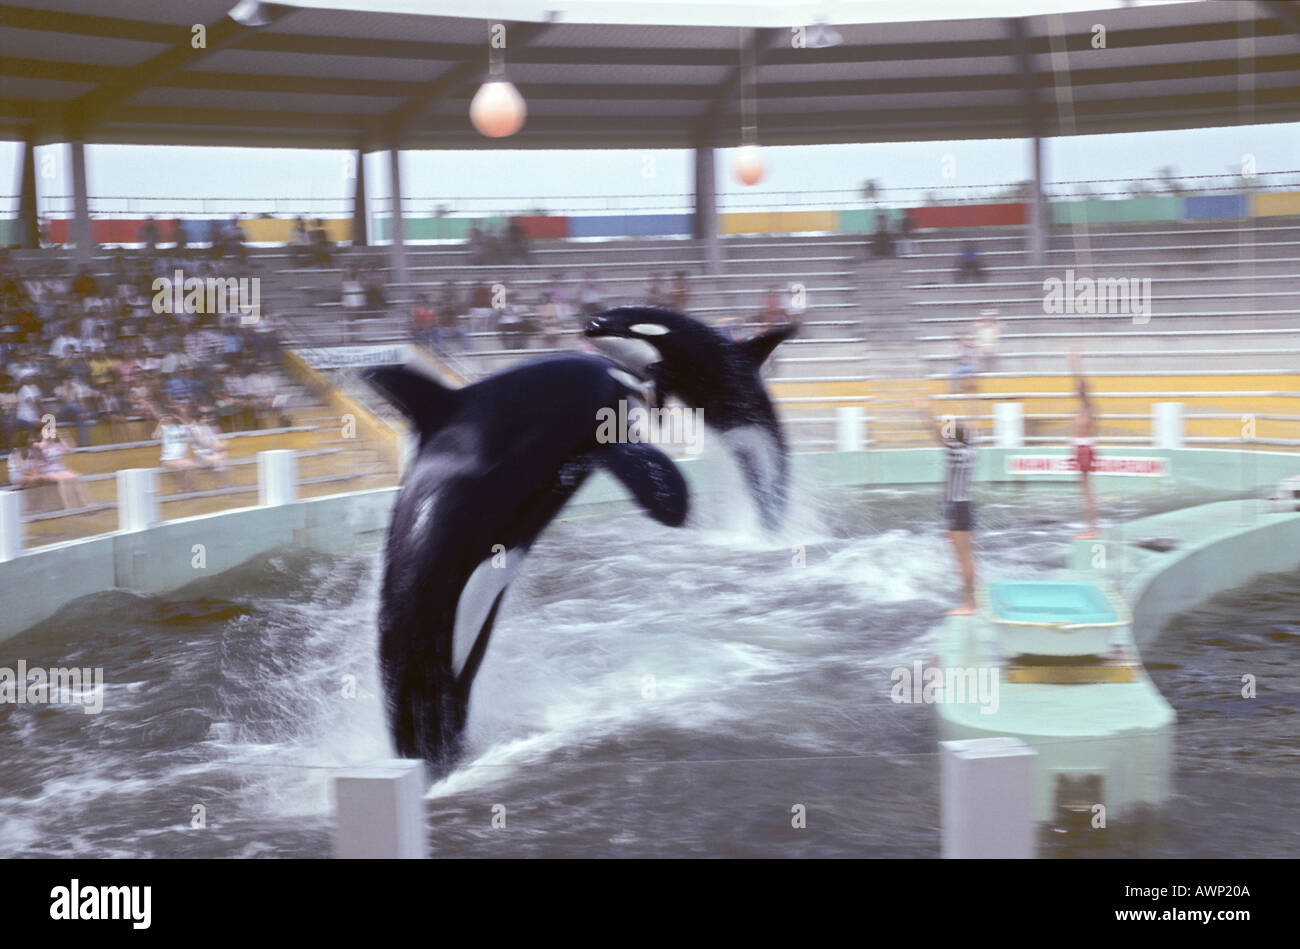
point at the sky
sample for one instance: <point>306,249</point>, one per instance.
<point>317,182</point>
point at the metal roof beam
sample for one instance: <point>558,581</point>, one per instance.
<point>759,46</point>
<point>85,112</point>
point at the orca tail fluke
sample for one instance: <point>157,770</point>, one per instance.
<point>426,402</point>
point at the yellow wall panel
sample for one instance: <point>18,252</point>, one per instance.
<point>1278,202</point>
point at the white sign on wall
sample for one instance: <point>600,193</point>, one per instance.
<point>345,357</point>
<point>1101,464</point>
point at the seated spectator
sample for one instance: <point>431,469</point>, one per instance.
<point>962,378</point>
<point>209,448</point>
<point>589,297</point>
<point>84,284</point>
<point>447,329</point>
<point>354,295</point>
<point>300,243</point>
<point>548,321</point>
<point>51,447</point>
<point>372,281</point>
<point>175,438</point>
<point>988,329</point>
<point>181,238</point>
<point>906,234</point>
<point>882,241</point>
<point>74,399</point>
<point>149,235</point>
<point>22,468</point>
<point>475,245</point>
<point>680,296</point>
<point>481,316</point>
<point>516,249</point>
<point>424,322</point>
<point>968,263</point>
<point>322,252</point>
<point>655,293</point>
<point>10,427</point>
<point>230,241</point>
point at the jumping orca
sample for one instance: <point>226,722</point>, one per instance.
<point>496,461</point>
<point>696,364</point>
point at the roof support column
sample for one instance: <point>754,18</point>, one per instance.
<point>81,235</point>
<point>29,225</point>
<point>396,224</point>
<point>704,227</point>
<point>360,220</point>
<point>1039,212</point>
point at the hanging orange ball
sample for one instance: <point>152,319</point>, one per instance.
<point>498,110</point>
<point>749,167</point>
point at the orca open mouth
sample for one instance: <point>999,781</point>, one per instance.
<point>633,354</point>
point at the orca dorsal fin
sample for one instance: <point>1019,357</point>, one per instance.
<point>427,403</point>
<point>756,349</point>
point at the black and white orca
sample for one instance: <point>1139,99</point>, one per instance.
<point>495,463</point>
<point>694,363</point>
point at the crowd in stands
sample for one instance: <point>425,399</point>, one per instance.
<point>84,348</point>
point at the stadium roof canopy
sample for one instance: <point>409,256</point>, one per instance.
<point>126,71</point>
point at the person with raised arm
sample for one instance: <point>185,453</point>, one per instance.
<point>959,444</point>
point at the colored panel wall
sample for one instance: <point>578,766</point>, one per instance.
<point>1202,206</point>
<point>267,230</point>
<point>1115,212</point>
<point>437,228</point>
<point>535,227</point>
<point>630,225</point>
<point>862,220</point>
<point>970,215</point>
<point>1277,202</point>
<point>777,222</point>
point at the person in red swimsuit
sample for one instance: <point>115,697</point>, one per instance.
<point>1084,456</point>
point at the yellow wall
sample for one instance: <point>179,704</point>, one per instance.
<point>778,222</point>
<point>1279,202</point>
<point>274,230</point>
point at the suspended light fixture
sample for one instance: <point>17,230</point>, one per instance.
<point>250,13</point>
<point>497,109</point>
<point>823,36</point>
<point>749,166</point>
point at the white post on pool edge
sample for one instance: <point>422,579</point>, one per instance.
<point>277,477</point>
<point>850,428</point>
<point>379,811</point>
<point>987,798</point>
<point>1008,425</point>
<point>11,525</point>
<point>1167,424</point>
<point>137,499</point>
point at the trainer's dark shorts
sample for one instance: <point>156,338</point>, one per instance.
<point>959,515</point>
<point>1083,458</point>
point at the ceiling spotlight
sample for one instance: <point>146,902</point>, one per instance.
<point>823,36</point>
<point>250,13</point>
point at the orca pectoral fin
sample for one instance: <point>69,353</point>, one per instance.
<point>427,403</point>
<point>651,476</point>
